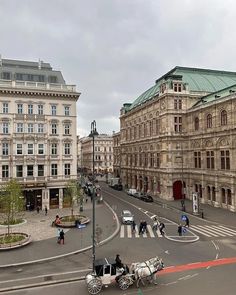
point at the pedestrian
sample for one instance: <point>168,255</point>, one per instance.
<point>62,237</point>
<point>37,209</point>
<point>46,210</point>
<point>161,228</point>
<point>58,236</point>
<point>28,207</point>
<point>141,227</point>
<point>187,221</point>
<point>144,227</point>
<point>155,224</point>
<point>180,230</point>
<point>133,226</point>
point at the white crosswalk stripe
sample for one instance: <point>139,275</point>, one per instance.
<point>126,232</point>
<point>213,230</point>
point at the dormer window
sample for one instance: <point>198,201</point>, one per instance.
<point>163,88</point>
<point>177,87</point>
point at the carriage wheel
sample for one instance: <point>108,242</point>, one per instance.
<point>124,283</point>
<point>94,286</point>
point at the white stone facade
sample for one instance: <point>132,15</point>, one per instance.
<point>38,141</point>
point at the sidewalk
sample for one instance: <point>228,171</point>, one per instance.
<point>210,213</point>
<point>45,246</point>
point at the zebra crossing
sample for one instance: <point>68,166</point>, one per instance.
<point>126,232</point>
<point>213,231</point>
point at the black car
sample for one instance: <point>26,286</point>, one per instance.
<point>146,198</point>
<point>118,187</point>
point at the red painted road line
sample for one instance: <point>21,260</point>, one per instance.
<point>197,265</point>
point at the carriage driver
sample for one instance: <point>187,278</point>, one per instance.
<point>118,261</point>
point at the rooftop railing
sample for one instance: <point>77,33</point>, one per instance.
<point>37,85</point>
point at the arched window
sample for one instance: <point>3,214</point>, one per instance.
<point>209,121</point>
<point>196,123</point>
<point>223,118</point>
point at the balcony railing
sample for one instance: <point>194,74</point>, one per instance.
<point>37,85</point>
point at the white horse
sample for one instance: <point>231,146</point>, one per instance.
<point>136,265</point>
<point>147,270</point>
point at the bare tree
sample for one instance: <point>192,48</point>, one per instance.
<point>73,195</point>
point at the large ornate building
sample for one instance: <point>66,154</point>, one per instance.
<point>103,153</point>
<point>179,137</point>
<point>38,143</point>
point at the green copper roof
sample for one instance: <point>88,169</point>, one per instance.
<point>215,96</point>
<point>197,80</point>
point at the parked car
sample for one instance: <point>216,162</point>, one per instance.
<point>118,187</point>
<point>138,195</point>
<point>146,198</point>
<point>127,217</point>
<point>131,191</point>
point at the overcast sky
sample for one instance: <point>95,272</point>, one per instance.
<point>114,50</point>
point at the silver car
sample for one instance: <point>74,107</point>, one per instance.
<point>127,217</point>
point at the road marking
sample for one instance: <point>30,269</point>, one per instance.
<point>195,228</point>
<point>228,229</point>
<point>129,231</point>
<point>197,265</point>
<point>150,231</point>
<point>136,232</point>
<point>122,231</point>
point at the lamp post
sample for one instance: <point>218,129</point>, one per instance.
<point>92,134</point>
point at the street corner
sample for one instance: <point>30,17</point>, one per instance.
<point>185,236</point>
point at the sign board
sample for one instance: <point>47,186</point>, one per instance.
<point>195,203</point>
<point>184,217</point>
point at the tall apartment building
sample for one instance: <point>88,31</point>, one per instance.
<point>179,137</point>
<point>103,153</point>
<point>38,142</point>
<point>116,154</point>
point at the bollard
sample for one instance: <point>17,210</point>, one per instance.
<point>202,213</point>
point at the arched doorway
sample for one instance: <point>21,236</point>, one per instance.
<point>177,190</point>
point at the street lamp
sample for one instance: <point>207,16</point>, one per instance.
<point>92,134</point>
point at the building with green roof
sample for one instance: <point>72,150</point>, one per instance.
<point>178,137</point>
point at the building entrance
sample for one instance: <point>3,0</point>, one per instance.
<point>177,190</point>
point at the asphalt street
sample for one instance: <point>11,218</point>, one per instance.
<point>133,249</point>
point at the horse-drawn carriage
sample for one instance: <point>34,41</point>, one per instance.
<point>106,273</point>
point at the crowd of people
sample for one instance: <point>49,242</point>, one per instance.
<point>143,226</point>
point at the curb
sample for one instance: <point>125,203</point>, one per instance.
<point>70,253</point>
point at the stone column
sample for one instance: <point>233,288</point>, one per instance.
<point>45,198</point>
<point>60,198</point>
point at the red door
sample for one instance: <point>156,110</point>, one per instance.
<point>177,190</point>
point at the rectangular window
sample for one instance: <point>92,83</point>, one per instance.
<point>19,170</point>
<point>5,171</point>
<point>5,128</point>
<point>54,110</point>
<point>178,124</point>
<point>30,128</point>
<point>19,149</point>
<point>5,108</point>
<point>40,149</point>
<point>40,109</point>
<point>210,157</point>
<point>54,169</point>
<point>67,169</point>
<point>67,111</point>
<point>67,129</point>
<point>225,160</point>
<point>177,104</point>
<point>40,128</point>
<point>40,170</point>
<point>30,170</point>
<point>19,128</point>
<point>197,159</point>
<point>30,109</point>
<point>5,149</point>
<point>6,75</point>
<point>177,87</point>
<point>30,149</point>
<point>19,108</point>
<point>54,149</point>
<point>54,128</point>
<point>67,148</point>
